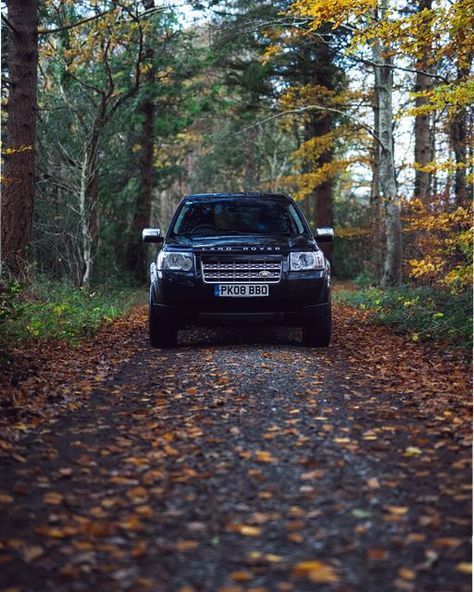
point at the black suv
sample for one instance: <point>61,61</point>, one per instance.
<point>239,257</point>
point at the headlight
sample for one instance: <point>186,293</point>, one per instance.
<point>307,260</point>
<point>175,261</point>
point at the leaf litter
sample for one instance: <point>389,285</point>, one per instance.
<point>239,461</point>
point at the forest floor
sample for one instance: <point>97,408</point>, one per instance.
<point>238,461</point>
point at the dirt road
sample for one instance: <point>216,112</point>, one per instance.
<point>243,461</point>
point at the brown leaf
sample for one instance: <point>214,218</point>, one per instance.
<point>52,498</point>
<point>31,552</point>
<point>376,554</point>
<point>264,457</point>
<point>186,545</point>
<point>373,483</point>
<point>241,576</point>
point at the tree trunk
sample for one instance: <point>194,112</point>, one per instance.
<point>392,266</point>
<point>250,164</point>
<point>321,73</point>
<point>136,256</point>
<point>423,140</point>
<point>458,132</point>
<point>136,252</point>
<point>88,210</point>
<point>375,202</point>
<point>18,190</point>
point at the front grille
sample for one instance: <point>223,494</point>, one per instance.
<point>241,271</point>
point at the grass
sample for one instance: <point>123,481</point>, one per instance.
<point>58,310</point>
<point>423,313</point>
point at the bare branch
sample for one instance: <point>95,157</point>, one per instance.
<point>86,84</point>
<point>301,110</point>
<point>77,23</point>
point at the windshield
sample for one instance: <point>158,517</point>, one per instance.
<point>259,216</point>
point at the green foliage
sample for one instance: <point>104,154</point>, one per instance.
<point>424,313</point>
<point>59,310</point>
<point>10,311</point>
<point>350,256</point>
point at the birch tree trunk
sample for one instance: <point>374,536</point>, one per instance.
<point>383,72</point>
<point>18,189</point>
<point>88,194</point>
<point>375,202</point>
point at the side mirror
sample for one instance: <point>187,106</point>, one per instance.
<point>152,235</point>
<point>324,234</point>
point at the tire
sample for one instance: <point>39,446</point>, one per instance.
<point>317,333</point>
<point>162,333</point>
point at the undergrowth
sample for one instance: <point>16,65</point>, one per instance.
<point>424,313</point>
<point>58,310</point>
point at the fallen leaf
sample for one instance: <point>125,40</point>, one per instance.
<point>412,451</point>
<point>406,574</point>
<point>52,498</point>
<point>376,554</point>
<point>246,530</point>
<point>186,545</point>
<point>264,457</point>
<point>241,576</point>
<point>373,483</point>
<point>397,510</point>
<point>316,571</point>
<point>32,552</point>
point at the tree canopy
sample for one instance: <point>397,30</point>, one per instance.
<point>360,110</point>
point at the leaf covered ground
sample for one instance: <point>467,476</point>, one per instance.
<point>239,461</point>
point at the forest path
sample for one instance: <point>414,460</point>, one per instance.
<point>244,461</point>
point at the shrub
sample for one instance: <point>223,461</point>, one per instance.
<point>57,310</point>
<point>424,313</point>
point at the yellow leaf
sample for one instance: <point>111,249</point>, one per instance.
<point>56,533</point>
<point>264,457</point>
<point>406,574</point>
<point>412,451</point>
<point>245,530</point>
<point>131,523</point>
<point>464,567</point>
<point>398,510</point>
<point>316,571</point>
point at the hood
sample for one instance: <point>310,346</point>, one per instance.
<point>242,243</point>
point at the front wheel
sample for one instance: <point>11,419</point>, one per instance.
<point>317,332</point>
<point>162,333</point>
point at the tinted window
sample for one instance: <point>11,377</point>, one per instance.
<point>263,216</point>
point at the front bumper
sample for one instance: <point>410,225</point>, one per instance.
<point>184,299</point>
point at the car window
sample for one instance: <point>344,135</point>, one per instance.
<point>262,216</point>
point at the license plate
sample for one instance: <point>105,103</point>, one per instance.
<point>241,290</point>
